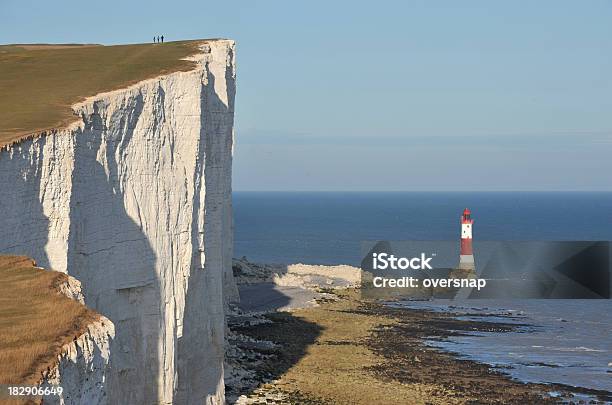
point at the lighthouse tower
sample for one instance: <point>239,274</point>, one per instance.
<point>466,256</point>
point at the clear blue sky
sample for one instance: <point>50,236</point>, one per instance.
<point>385,95</point>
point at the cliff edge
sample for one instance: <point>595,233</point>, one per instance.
<point>48,337</point>
<point>134,201</point>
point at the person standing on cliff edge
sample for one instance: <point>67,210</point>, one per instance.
<point>154,40</point>
<point>162,38</point>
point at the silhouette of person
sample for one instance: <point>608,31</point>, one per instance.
<point>154,40</point>
<point>162,37</point>
<point>158,39</point>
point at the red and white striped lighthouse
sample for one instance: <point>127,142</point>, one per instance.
<point>466,255</point>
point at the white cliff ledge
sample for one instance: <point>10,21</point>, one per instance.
<point>51,339</point>
<point>134,201</point>
<point>82,367</point>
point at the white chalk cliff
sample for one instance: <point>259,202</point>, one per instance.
<point>134,201</point>
<point>83,365</point>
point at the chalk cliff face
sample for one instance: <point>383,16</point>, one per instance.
<point>83,365</point>
<point>135,202</point>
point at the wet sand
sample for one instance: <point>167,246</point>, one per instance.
<point>351,351</point>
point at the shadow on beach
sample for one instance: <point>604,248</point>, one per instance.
<point>269,342</point>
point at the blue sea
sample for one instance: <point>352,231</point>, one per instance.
<point>328,228</point>
<point>567,342</point>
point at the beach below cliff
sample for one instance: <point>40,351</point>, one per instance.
<point>341,349</point>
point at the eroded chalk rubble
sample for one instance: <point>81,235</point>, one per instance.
<point>259,283</point>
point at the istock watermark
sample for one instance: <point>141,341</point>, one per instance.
<point>412,282</point>
<point>383,261</point>
<point>495,269</point>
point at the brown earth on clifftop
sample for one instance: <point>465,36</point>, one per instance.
<point>36,319</point>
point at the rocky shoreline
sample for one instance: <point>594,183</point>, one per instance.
<point>347,350</point>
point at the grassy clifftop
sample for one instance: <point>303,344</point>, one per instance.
<point>39,83</point>
<point>36,320</point>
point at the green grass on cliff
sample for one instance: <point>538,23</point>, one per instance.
<point>39,83</point>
